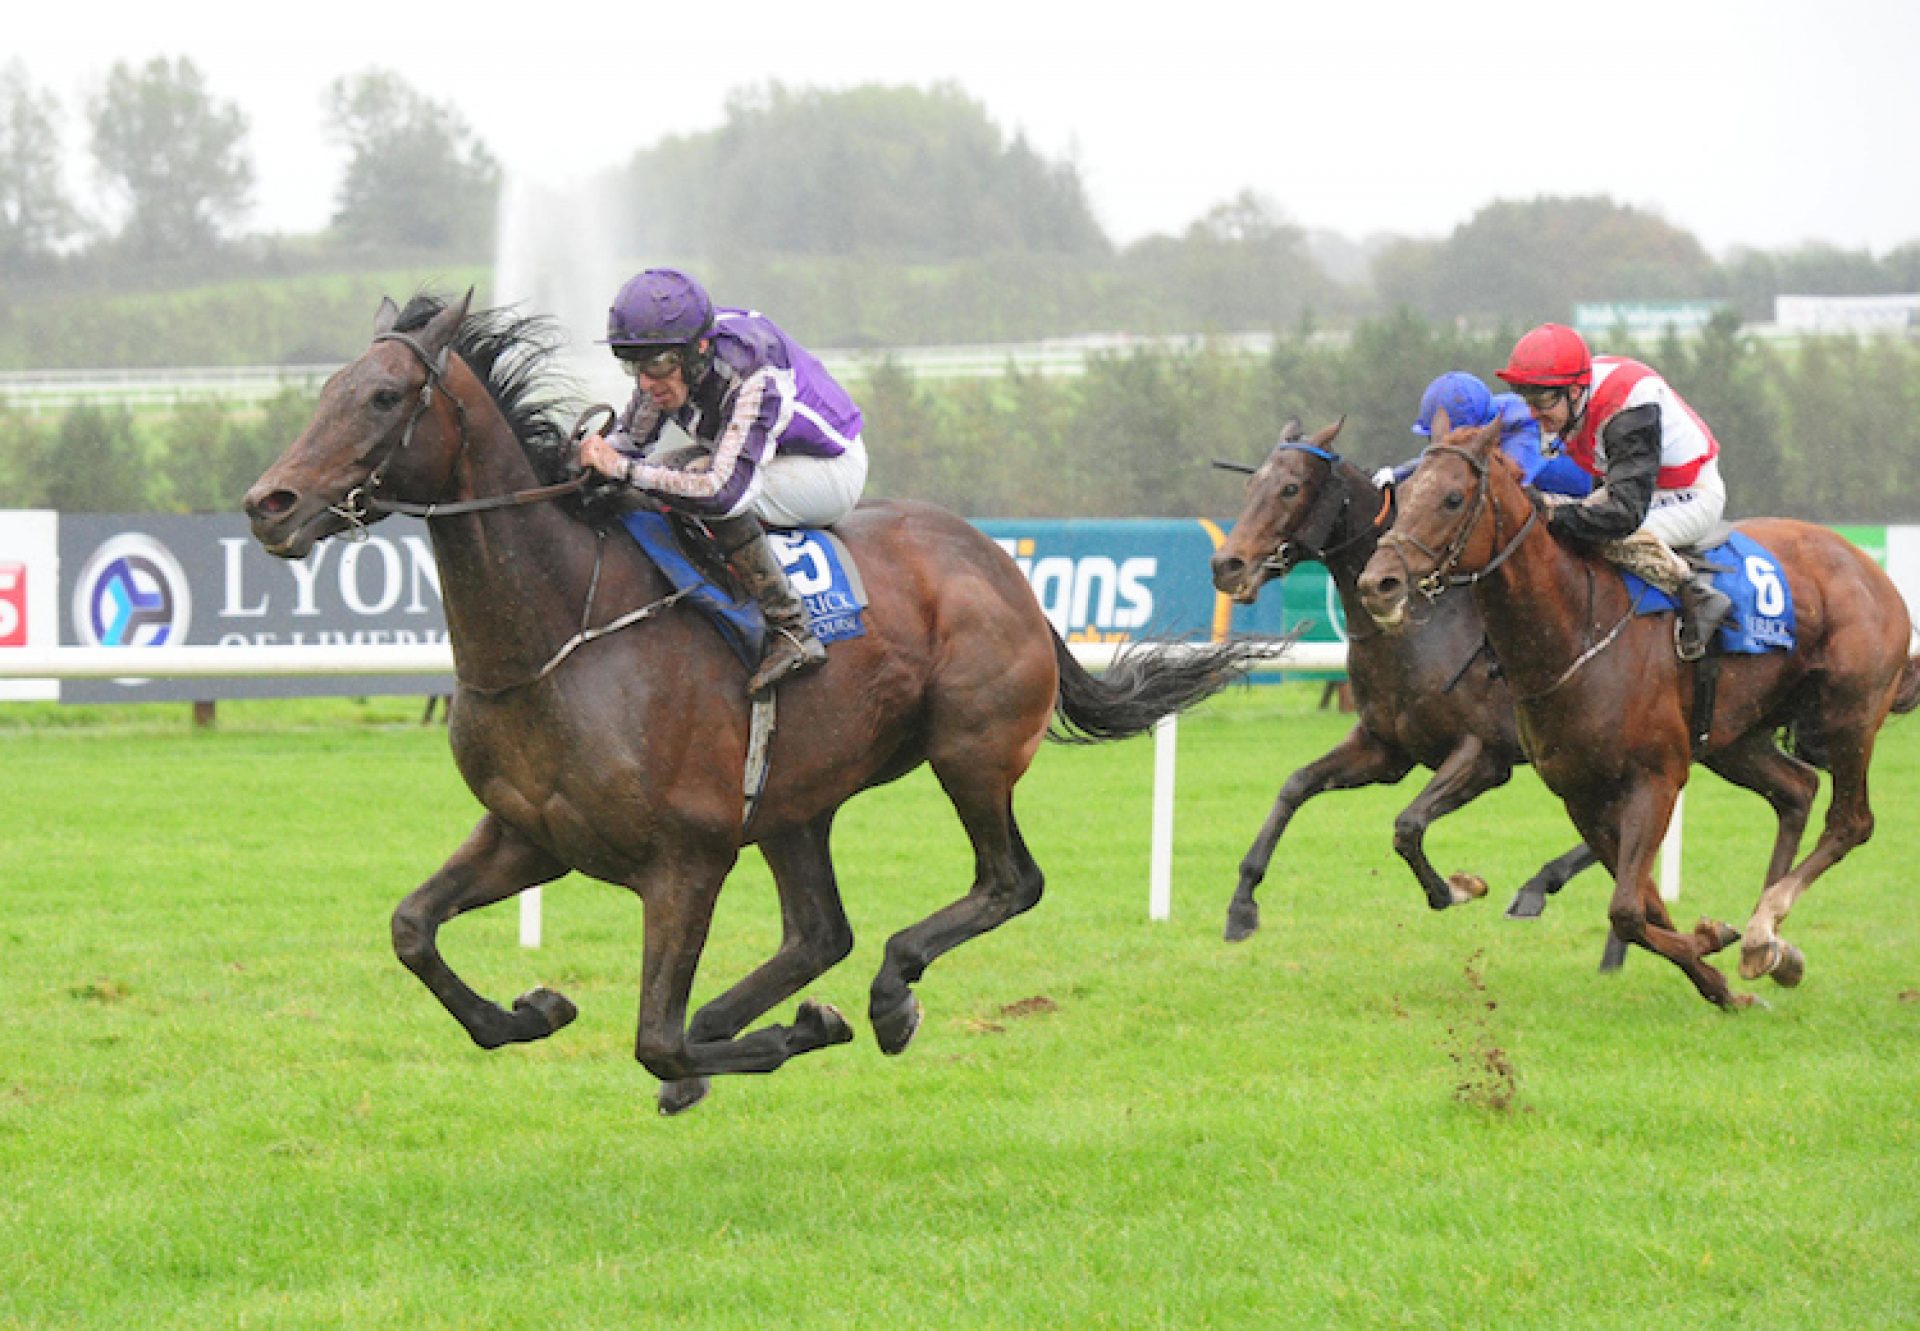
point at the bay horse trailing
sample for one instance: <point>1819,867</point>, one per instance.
<point>1429,697</point>
<point>1605,706</point>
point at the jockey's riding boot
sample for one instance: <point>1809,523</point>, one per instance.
<point>791,647</point>
<point>1702,607</point>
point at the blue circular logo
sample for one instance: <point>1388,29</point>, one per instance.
<point>132,592</point>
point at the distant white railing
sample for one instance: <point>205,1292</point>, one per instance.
<point>52,390</point>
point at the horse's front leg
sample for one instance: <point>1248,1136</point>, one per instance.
<point>1637,913</point>
<point>1360,759</point>
<point>1462,777</point>
<point>679,892</point>
<point>495,863</point>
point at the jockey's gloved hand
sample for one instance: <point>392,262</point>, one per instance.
<point>1383,478</point>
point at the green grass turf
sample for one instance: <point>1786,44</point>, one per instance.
<point>223,1103</point>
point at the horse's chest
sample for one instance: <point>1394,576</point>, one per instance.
<point>587,792</point>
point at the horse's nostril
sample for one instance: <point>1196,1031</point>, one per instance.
<point>275,503</point>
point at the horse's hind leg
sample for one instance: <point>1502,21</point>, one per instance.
<point>1360,759</point>
<point>1789,785</point>
<point>1006,881</point>
<point>494,863</point>
<point>1531,899</point>
<point>814,936</point>
<point>1849,823</point>
<point>679,891</point>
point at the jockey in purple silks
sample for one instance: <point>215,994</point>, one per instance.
<point>776,439</point>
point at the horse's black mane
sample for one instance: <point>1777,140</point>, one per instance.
<point>513,355</point>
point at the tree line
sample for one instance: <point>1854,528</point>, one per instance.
<point>1822,430</point>
<point>177,177</point>
<point>867,217</point>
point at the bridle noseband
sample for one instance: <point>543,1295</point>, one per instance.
<point>1442,576</point>
<point>1323,517</point>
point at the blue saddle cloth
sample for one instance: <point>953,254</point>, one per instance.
<point>1762,617</point>
<point>819,568</point>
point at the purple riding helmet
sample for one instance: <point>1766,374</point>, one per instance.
<point>660,308</point>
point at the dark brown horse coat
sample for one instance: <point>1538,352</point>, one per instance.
<point>623,756</point>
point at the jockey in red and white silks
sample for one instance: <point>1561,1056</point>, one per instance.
<point>1688,495</point>
<point>1658,464</point>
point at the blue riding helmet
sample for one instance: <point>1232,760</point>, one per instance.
<point>662,307</point>
<point>1465,399</point>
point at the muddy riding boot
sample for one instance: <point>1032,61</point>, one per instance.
<point>791,647</point>
<point>1702,607</point>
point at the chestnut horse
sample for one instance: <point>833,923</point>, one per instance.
<point>1605,705</point>
<point>1429,697</point>
<point>620,754</point>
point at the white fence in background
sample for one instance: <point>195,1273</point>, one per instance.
<point>54,390</point>
<point>189,662</point>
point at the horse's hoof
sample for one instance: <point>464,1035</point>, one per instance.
<point>1466,887</point>
<point>543,1011</point>
<point>1791,968</point>
<point>1757,959</point>
<point>894,1028</point>
<point>1714,935</point>
<point>818,1025</point>
<point>1614,955</point>
<point>1738,1002</point>
<point>676,1097</point>
<point>1243,921</point>
<point>1529,903</point>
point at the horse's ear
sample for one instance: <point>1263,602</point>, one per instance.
<point>1328,435</point>
<point>1291,430</point>
<point>1488,435</point>
<point>386,316</point>
<point>440,331</point>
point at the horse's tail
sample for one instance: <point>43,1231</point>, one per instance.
<point>1143,684</point>
<point>1907,696</point>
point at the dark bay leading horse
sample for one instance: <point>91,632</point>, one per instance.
<point>621,755</point>
<point>1428,697</point>
<point>1605,706</point>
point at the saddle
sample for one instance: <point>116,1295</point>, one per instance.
<point>818,564</point>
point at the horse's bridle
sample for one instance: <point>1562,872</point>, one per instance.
<point>1442,576</point>
<point>359,507</point>
<point>1323,515</point>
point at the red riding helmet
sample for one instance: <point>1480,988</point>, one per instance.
<point>1551,356</point>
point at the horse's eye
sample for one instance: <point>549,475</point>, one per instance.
<point>1290,489</point>
<point>1454,499</point>
<point>386,399</point>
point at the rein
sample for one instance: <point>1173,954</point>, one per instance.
<point>359,506</point>
<point>1442,575</point>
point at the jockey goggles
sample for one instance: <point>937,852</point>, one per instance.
<point>655,364</point>
<point>1540,395</point>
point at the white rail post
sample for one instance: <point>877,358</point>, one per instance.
<point>1670,851</point>
<point>1166,736</point>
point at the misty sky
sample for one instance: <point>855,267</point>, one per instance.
<point>1762,124</point>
